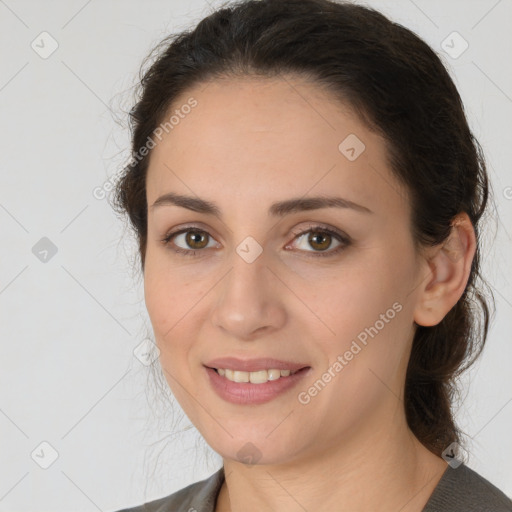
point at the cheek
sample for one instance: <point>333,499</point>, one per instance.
<point>364,369</point>
<point>166,292</point>
<point>157,297</point>
<point>366,325</point>
<point>346,302</point>
<point>172,301</point>
<point>166,302</point>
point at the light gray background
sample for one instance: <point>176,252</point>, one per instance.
<point>69,326</point>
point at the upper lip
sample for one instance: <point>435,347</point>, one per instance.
<point>254,365</point>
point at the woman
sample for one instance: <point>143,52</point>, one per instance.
<point>306,194</point>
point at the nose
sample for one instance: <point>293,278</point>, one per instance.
<point>249,300</point>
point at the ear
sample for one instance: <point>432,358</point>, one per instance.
<point>449,268</point>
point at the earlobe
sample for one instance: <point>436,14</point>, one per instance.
<point>449,268</point>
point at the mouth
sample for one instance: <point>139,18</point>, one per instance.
<point>256,377</point>
<point>241,387</point>
<point>253,381</point>
<point>255,371</point>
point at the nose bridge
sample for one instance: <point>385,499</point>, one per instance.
<point>249,271</point>
<point>248,263</point>
<point>247,298</point>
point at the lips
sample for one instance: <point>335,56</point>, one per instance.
<point>254,365</point>
<point>248,393</point>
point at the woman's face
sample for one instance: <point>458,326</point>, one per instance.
<point>251,286</point>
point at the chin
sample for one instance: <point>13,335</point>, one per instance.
<point>255,451</point>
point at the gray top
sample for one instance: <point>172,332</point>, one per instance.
<point>459,490</point>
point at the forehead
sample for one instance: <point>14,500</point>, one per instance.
<point>268,139</point>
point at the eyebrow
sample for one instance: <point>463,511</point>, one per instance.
<point>278,209</point>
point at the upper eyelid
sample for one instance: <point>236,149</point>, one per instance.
<point>320,227</point>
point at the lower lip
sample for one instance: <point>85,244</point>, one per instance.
<point>245,393</point>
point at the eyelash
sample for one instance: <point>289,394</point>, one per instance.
<point>338,235</point>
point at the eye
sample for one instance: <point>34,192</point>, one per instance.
<point>191,237</point>
<point>320,238</point>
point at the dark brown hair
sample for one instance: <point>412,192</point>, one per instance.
<point>401,90</point>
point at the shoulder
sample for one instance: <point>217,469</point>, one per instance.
<point>196,497</point>
<point>463,490</point>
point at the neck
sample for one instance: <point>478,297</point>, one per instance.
<point>370,469</point>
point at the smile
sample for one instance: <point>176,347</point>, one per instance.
<point>258,377</point>
<point>253,388</point>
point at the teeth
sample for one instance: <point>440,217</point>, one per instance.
<point>259,377</point>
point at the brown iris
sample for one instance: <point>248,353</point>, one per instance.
<point>323,236</point>
<point>193,237</point>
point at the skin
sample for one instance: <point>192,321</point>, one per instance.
<point>248,143</point>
